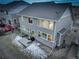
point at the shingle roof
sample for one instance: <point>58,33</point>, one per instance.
<point>45,10</point>
<point>16,6</point>
<point>2,7</point>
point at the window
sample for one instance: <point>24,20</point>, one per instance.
<point>39,34</point>
<point>46,24</point>
<point>15,21</point>
<point>29,20</point>
<point>25,19</point>
<point>9,21</point>
<point>46,36</point>
<point>50,37</point>
<point>43,23</point>
<point>42,35</point>
<point>50,25</point>
<point>36,21</point>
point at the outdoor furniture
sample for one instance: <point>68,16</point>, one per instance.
<point>25,42</point>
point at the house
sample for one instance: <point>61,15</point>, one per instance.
<point>75,13</point>
<point>47,22</point>
<point>13,8</point>
<point>2,13</point>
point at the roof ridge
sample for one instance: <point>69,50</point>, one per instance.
<point>52,2</point>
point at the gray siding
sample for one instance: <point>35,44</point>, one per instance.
<point>8,17</point>
<point>34,27</point>
<point>24,24</point>
<point>64,22</point>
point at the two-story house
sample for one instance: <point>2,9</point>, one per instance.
<point>13,8</point>
<point>47,22</point>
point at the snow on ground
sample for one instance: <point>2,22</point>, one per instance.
<point>36,51</point>
<point>20,40</point>
<point>33,49</point>
<point>16,42</point>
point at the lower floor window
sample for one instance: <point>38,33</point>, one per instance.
<point>44,35</point>
<point>50,37</point>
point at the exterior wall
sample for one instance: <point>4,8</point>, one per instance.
<point>11,18</point>
<point>38,29</point>
<point>2,19</point>
<point>8,17</point>
<point>75,14</point>
<point>24,26</point>
<point>15,21</point>
<point>64,22</point>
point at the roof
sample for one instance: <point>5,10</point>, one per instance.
<point>75,9</point>
<point>16,6</point>
<point>16,3</point>
<point>75,12</point>
<point>46,10</point>
<point>2,7</point>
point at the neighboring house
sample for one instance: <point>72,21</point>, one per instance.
<point>14,8</point>
<point>47,22</point>
<point>75,12</point>
<point>2,13</point>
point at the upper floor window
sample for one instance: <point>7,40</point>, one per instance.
<point>46,24</point>
<point>39,22</point>
<point>51,25</point>
<point>30,20</point>
<point>27,20</point>
<point>9,21</point>
<point>35,21</point>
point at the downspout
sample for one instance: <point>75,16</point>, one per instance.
<point>54,31</point>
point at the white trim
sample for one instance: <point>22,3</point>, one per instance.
<point>38,17</point>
